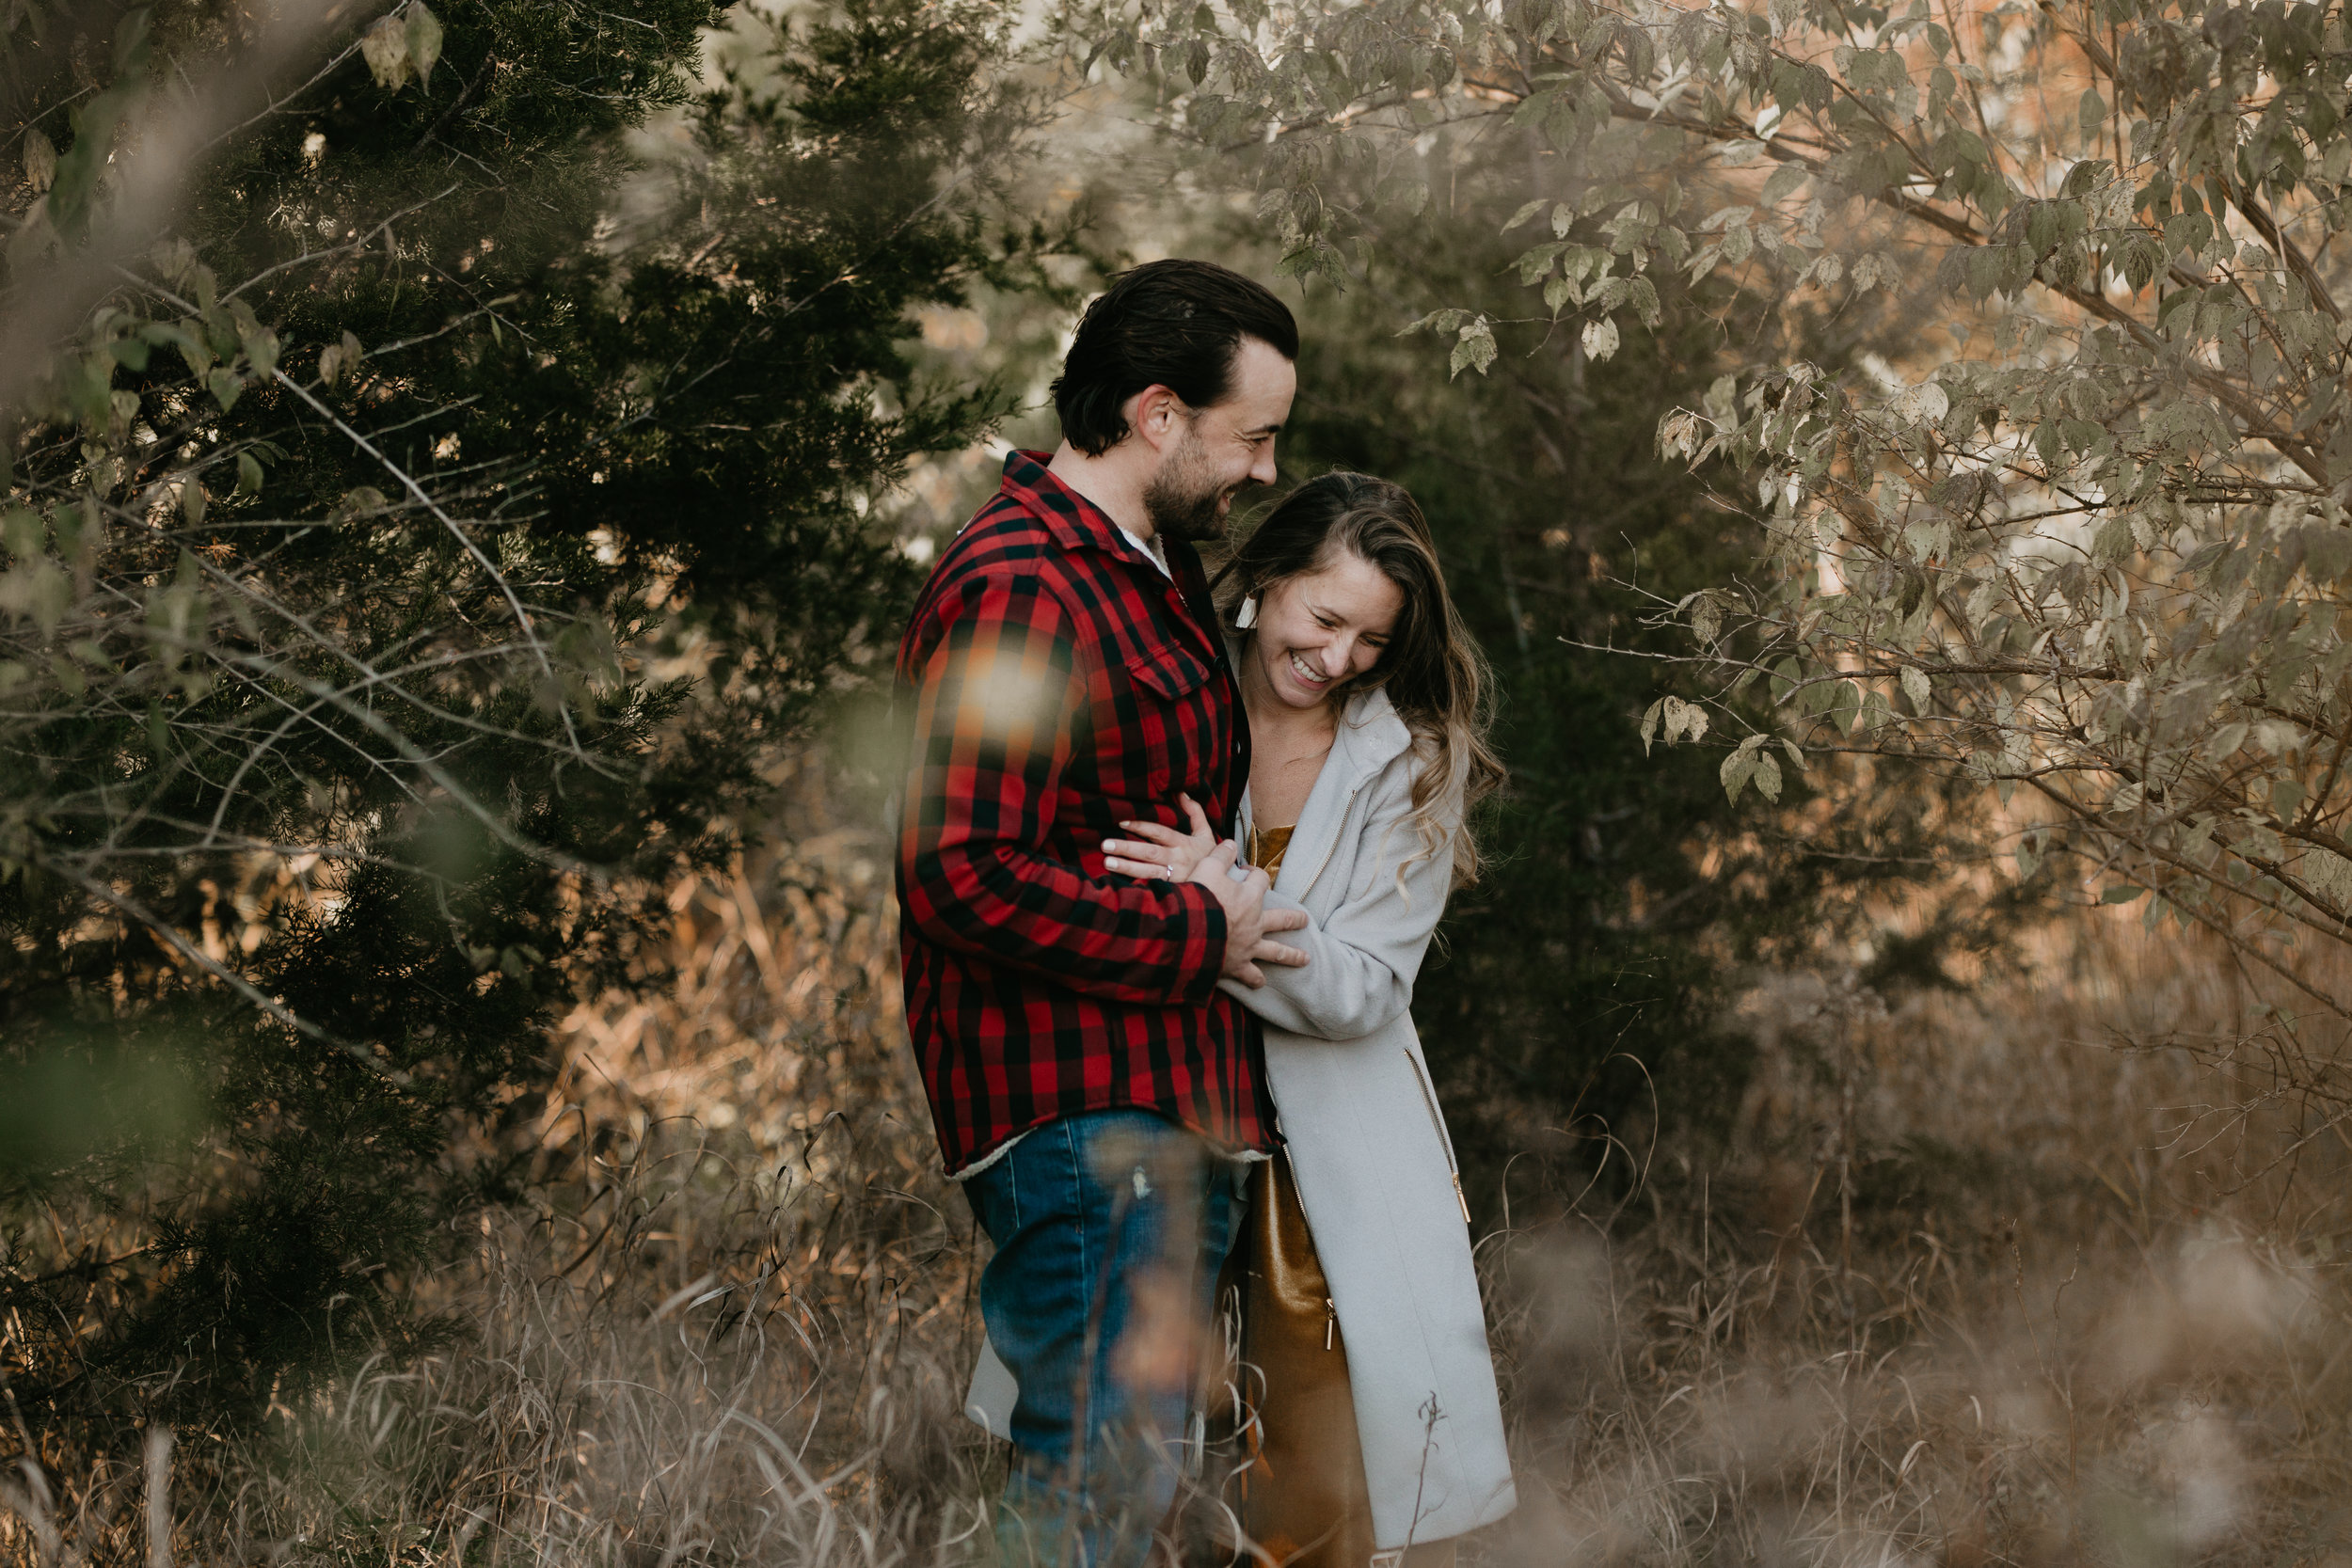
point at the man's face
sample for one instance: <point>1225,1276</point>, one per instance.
<point>1223,449</point>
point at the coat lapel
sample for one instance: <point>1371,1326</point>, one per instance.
<point>1371,736</point>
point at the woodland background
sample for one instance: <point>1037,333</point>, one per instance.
<point>466,466</point>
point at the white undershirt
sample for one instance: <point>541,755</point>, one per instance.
<point>1154,550</point>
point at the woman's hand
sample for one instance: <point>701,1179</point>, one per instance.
<point>1157,852</point>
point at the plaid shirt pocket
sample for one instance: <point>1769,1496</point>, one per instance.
<point>1157,753</point>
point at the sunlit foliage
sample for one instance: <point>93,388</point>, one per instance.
<point>2086,535</point>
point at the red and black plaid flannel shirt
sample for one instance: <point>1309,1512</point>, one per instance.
<point>1060,685</point>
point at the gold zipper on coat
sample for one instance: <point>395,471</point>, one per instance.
<point>1437,1123</point>
<point>1330,1321</point>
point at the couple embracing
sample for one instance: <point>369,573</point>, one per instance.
<point>1171,855</point>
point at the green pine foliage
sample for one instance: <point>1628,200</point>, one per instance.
<point>416,547</point>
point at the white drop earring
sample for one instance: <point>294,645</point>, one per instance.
<point>1248,615</point>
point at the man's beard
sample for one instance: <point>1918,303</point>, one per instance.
<point>1181,500</point>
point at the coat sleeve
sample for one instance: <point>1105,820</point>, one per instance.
<point>1001,705</point>
<point>1361,960</point>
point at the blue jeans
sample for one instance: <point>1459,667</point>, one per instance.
<point>1109,1227</point>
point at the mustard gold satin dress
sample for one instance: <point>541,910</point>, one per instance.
<point>1300,1494</point>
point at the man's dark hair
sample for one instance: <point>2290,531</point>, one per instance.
<point>1173,324</point>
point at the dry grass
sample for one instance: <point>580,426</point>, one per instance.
<point>1976,1285</point>
<point>1972,1285</point>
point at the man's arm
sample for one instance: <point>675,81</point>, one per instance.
<point>998,694</point>
<point>1366,953</point>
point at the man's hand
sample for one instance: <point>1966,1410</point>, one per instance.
<point>1247,921</point>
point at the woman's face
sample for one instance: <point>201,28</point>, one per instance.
<point>1317,631</point>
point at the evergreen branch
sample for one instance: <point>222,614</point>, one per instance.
<point>523,616</point>
<point>346,248</point>
<point>279,106</point>
<point>172,937</point>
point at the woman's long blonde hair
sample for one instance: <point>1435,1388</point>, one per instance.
<point>1433,674</point>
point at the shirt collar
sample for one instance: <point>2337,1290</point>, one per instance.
<point>1153,548</point>
<point>1074,521</point>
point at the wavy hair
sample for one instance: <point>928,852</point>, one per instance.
<point>1432,672</point>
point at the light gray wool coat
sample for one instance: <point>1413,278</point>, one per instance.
<point>1374,1165</point>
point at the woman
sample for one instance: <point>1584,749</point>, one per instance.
<point>1366,702</point>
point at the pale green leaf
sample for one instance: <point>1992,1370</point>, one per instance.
<point>1785,178</point>
<point>41,159</point>
<point>1922,404</point>
<point>385,47</point>
<point>1736,771</point>
<point>422,35</point>
<point>1476,351</point>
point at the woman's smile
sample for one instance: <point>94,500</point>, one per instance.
<point>1323,627</point>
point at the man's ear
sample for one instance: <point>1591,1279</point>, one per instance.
<point>1156,417</point>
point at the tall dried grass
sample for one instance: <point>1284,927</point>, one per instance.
<point>2044,1273</point>
<point>2024,1276</point>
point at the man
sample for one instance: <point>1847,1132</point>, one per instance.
<point>1092,1086</point>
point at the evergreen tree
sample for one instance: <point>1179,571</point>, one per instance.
<point>424,525</point>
